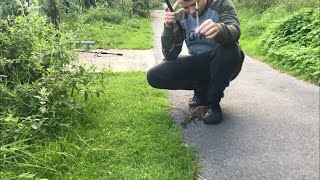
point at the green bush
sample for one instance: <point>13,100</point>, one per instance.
<point>262,5</point>
<point>12,8</point>
<point>141,8</point>
<point>294,44</point>
<point>39,71</point>
<point>40,80</point>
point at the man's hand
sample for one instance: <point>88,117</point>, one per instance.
<point>209,29</point>
<point>170,17</point>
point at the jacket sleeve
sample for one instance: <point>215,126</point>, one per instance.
<point>172,41</point>
<point>229,26</point>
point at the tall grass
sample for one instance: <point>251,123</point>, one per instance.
<point>262,27</point>
<point>288,5</point>
<point>126,133</point>
<point>39,80</point>
<point>130,34</point>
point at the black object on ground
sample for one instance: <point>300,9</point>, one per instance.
<point>99,53</point>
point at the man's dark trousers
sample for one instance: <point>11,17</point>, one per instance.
<point>211,72</point>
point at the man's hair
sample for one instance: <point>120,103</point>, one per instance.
<point>186,3</point>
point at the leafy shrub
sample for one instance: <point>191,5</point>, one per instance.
<point>12,7</point>
<point>39,79</point>
<point>262,5</point>
<point>141,8</point>
<point>293,44</point>
<point>38,71</point>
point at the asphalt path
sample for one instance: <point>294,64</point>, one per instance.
<point>270,128</point>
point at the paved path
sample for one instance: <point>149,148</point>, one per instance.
<point>270,128</point>
<point>131,60</point>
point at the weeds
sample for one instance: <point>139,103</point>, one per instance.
<point>39,85</point>
<point>293,45</point>
<point>260,6</point>
<point>287,40</point>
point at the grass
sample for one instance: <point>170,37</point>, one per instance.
<point>129,34</point>
<point>127,133</point>
<point>257,27</point>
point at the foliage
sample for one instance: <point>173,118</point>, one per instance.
<point>300,28</point>
<point>141,8</point>
<point>123,134</point>
<point>102,14</point>
<point>262,5</point>
<point>65,11</point>
<point>124,6</point>
<point>127,133</point>
<point>130,34</point>
<point>258,5</point>
<point>288,42</point>
<point>156,4</point>
<point>294,44</point>
<point>12,7</point>
<point>39,77</point>
<point>255,26</point>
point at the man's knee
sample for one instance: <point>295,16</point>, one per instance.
<point>152,77</point>
<point>233,58</point>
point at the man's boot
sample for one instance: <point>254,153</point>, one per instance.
<point>213,116</point>
<point>199,98</point>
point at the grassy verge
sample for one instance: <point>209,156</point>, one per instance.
<point>257,26</point>
<point>278,37</point>
<point>127,133</point>
<point>129,34</point>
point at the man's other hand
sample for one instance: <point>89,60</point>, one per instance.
<point>209,29</point>
<point>170,17</point>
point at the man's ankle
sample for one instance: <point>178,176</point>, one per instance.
<point>214,115</point>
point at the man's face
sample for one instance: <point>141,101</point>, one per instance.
<point>192,8</point>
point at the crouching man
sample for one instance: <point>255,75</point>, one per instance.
<point>210,29</point>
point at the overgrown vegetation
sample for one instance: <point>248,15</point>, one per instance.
<point>125,133</point>
<point>294,44</point>
<point>263,5</point>
<point>284,34</point>
<point>95,20</point>
<point>60,120</point>
<point>111,29</point>
<point>39,80</point>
